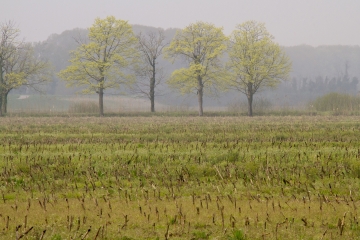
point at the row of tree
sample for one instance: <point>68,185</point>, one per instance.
<point>103,62</point>
<point>307,63</point>
<point>111,56</point>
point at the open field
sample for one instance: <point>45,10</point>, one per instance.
<point>77,105</point>
<point>180,177</point>
<point>57,104</point>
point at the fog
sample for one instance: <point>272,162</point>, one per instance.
<point>320,22</point>
<point>320,37</point>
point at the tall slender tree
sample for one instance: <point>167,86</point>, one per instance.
<point>149,74</point>
<point>201,45</point>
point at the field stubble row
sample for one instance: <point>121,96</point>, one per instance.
<point>180,178</point>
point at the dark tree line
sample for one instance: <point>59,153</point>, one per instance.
<point>322,85</point>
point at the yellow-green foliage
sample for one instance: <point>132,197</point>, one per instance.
<point>255,59</point>
<point>100,63</point>
<point>23,65</point>
<point>201,44</point>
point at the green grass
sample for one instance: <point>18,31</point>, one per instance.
<point>156,177</point>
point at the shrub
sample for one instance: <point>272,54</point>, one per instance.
<point>84,107</point>
<point>336,102</point>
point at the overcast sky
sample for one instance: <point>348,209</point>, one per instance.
<point>292,22</point>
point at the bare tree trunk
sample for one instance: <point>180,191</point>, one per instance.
<point>4,102</point>
<point>250,100</point>
<point>1,87</point>
<point>152,88</point>
<point>0,103</point>
<point>200,95</point>
<point>101,102</point>
<point>152,95</point>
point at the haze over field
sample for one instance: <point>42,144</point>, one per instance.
<point>319,22</point>
<point>319,37</point>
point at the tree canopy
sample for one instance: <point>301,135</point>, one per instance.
<point>101,62</point>
<point>256,60</point>
<point>201,45</point>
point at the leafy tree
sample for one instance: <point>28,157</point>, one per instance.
<point>101,62</point>
<point>201,45</point>
<point>18,64</point>
<point>256,61</point>
<point>149,75</point>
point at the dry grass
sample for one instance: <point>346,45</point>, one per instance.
<point>179,178</point>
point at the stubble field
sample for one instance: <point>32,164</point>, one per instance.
<point>180,178</point>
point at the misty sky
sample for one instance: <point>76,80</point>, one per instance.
<point>292,22</point>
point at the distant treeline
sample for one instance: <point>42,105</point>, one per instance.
<point>322,85</point>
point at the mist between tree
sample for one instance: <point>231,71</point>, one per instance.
<point>155,73</point>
